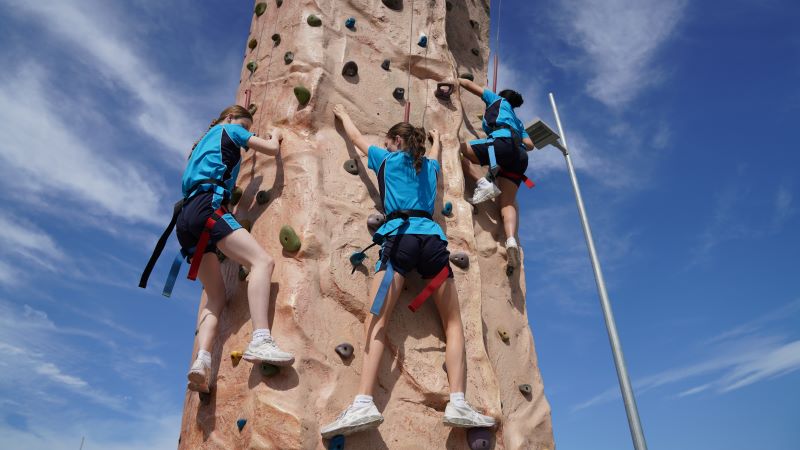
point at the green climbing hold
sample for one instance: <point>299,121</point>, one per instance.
<point>288,57</point>
<point>276,39</point>
<point>289,239</point>
<point>268,370</point>
<point>236,195</point>
<point>313,20</point>
<point>243,273</point>
<point>252,108</point>
<point>252,66</point>
<point>252,44</point>
<point>525,389</point>
<point>303,95</point>
<point>504,336</point>
<point>240,424</point>
<point>351,166</point>
<point>260,8</point>
<point>262,197</point>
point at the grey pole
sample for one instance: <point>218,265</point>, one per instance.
<point>616,347</point>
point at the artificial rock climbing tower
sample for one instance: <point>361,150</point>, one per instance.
<point>296,67</point>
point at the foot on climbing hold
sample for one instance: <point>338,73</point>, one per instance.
<point>350,23</point>
<point>385,64</point>
<point>240,424</point>
<point>288,57</point>
<point>252,44</point>
<point>444,91</point>
<point>479,438</point>
<point>504,336</point>
<point>313,20</point>
<point>303,95</point>
<point>337,443</point>
<point>260,8</point>
<point>268,370</point>
<point>525,389</point>
<point>467,76</point>
<point>252,66</point>
<point>399,93</point>
<point>476,52</point>
<point>374,221</point>
<point>276,39</point>
<point>351,166</point>
<point>447,209</point>
<point>262,197</point>
<point>396,5</point>
<point>289,239</point>
<point>236,195</point>
<point>246,224</point>
<point>243,273</point>
<point>357,258</point>
<point>345,350</point>
<point>236,356</point>
<point>350,69</point>
<point>423,41</point>
<point>460,260</point>
<point>252,108</point>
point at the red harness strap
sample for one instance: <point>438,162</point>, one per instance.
<point>430,288</point>
<point>202,243</point>
<point>515,176</point>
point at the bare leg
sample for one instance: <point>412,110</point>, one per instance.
<point>241,247</point>
<point>214,287</point>
<point>375,328</point>
<point>469,163</point>
<point>446,298</point>
<point>508,206</point>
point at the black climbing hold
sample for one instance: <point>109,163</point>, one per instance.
<point>303,95</point>
<point>262,197</point>
<point>345,350</point>
<point>289,239</point>
<point>246,224</point>
<point>448,6</point>
<point>385,64</point>
<point>288,57</point>
<point>260,8</point>
<point>252,66</point>
<point>350,23</point>
<point>240,424</point>
<point>444,91</point>
<point>447,209</point>
<point>460,259</point>
<point>236,195</point>
<point>337,443</point>
<point>351,166</point>
<point>252,44</point>
<point>279,3</point>
<point>243,273</point>
<point>473,24</point>
<point>374,221</point>
<point>467,76</point>
<point>504,336</point>
<point>220,256</point>
<point>399,93</point>
<point>357,258</point>
<point>276,39</point>
<point>350,69</point>
<point>268,370</point>
<point>313,20</point>
<point>444,367</point>
<point>423,41</point>
<point>252,108</point>
<point>476,52</point>
<point>205,397</point>
<point>525,389</point>
<point>479,438</point>
<point>396,5</point>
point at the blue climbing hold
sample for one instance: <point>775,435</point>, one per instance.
<point>350,23</point>
<point>337,443</point>
<point>423,41</point>
<point>447,209</point>
<point>357,258</point>
<point>241,423</point>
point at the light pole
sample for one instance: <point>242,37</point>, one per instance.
<point>542,136</point>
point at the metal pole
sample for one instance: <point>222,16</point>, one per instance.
<point>616,347</point>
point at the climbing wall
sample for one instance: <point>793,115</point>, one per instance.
<point>292,76</point>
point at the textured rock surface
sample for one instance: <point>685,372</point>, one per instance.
<point>316,302</point>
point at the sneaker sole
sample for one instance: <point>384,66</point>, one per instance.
<point>197,383</point>
<point>275,362</point>
<point>464,423</point>
<point>485,198</point>
<point>513,256</point>
<point>364,424</point>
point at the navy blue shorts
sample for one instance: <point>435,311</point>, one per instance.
<point>426,253</point>
<point>192,221</point>
<point>509,158</point>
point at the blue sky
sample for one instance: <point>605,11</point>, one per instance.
<point>681,118</point>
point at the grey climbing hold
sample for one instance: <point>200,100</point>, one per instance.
<point>350,69</point>
<point>473,24</point>
<point>399,93</point>
<point>467,76</point>
<point>260,8</point>
<point>374,221</point>
<point>345,350</point>
<point>262,197</point>
<point>525,389</point>
<point>268,370</point>
<point>479,438</point>
<point>313,20</point>
<point>385,64</point>
<point>252,108</point>
<point>476,52</point>
<point>288,57</point>
<point>444,91</point>
<point>351,166</point>
<point>337,442</point>
<point>246,224</point>
<point>252,44</point>
<point>236,195</point>
<point>396,5</point>
<point>423,41</point>
<point>243,273</point>
<point>504,336</point>
<point>447,209</point>
<point>350,23</point>
<point>303,95</point>
<point>460,260</point>
<point>279,3</point>
<point>276,39</point>
<point>252,66</point>
<point>289,239</point>
<point>240,424</point>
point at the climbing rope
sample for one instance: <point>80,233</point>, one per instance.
<point>497,45</point>
<point>407,113</point>
<point>269,66</point>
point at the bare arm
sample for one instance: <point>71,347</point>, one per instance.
<point>471,86</point>
<point>436,149</point>
<point>528,143</point>
<point>351,130</point>
<point>269,146</point>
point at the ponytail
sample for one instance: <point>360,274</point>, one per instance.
<point>414,138</point>
<point>235,110</point>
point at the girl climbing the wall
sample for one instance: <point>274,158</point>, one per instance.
<point>411,241</point>
<point>505,152</point>
<point>207,184</point>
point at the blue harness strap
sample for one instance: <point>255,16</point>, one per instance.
<point>173,274</point>
<point>493,168</point>
<point>380,296</point>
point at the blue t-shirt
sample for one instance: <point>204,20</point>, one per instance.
<point>502,113</point>
<point>402,188</point>
<point>217,157</point>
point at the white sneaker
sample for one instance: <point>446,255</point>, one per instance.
<point>266,350</point>
<point>465,417</point>
<point>483,192</point>
<point>198,376</point>
<point>512,252</point>
<point>354,419</point>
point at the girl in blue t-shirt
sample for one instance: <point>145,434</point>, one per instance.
<point>208,181</point>
<point>413,241</point>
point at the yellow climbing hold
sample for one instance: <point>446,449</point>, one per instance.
<point>236,356</point>
<point>289,239</point>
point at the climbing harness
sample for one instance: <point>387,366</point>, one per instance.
<point>490,120</point>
